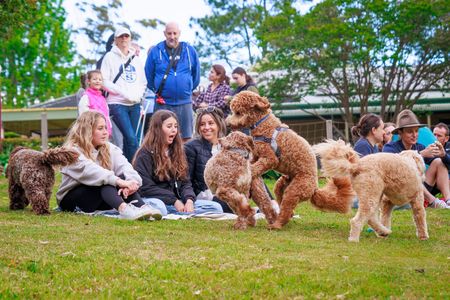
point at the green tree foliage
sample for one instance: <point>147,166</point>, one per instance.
<point>101,23</point>
<point>229,30</point>
<point>37,54</point>
<point>14,13</point>
<point>358,51</point>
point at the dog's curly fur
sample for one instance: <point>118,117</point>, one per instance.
<point>380,180</point>
<point>296,161</point>
<point>31,176</point>
<point>228,176</point>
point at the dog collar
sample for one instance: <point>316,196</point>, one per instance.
<point>259,122</point>
<point>243,153</point>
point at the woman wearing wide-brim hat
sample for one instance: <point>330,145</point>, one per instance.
<point>436,176</point>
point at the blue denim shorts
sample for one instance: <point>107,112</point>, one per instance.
<point>185,116</point>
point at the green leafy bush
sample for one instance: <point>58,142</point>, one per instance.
<point>10,134</point>
<point>33,143</point>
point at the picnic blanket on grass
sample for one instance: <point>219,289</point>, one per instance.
<point>112,213</point>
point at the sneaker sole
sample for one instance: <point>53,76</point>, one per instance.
<point>140,217</point>
<point>144,217</point>
<point>156,216</point>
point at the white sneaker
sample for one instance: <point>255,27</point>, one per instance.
<point>155,214</point>
<point>438,203</point>
<point>131,212</point>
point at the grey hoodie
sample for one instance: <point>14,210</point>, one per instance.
<point>87,172</point>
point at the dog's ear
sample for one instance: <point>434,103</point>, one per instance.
<point>223,143</point>
<point>417,159</point>
<point>420,164</point>
<point>261,103</point>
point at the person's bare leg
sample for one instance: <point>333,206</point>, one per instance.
<point>427,195</point>
<point>442,180</point>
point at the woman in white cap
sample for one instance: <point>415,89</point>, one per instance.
<point>124,78</point>
<point>436,176</point>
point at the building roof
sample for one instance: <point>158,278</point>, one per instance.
<point>61,112</point>
<point>66,101</point>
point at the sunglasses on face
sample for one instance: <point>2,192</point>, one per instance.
<point>124,36</point>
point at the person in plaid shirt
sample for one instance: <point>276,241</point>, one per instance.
<point>216,92</point>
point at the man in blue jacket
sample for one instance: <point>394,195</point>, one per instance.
<point>173,72</point>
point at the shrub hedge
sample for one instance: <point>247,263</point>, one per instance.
<point>34,143</point>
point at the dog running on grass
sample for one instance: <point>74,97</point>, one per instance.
<point>31,176</point>
<point>380,180</point>
<point>279,148</point>
<point>228,176</point>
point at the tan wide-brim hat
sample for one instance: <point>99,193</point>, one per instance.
<point>405,119</point>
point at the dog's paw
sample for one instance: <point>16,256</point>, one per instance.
<point>423,237</point>
<point>251,221</point>
<point>240,225</point>
<point>16,206</point>
<point>275,226</point>
<point>383,232</point>
<point>271,216</point>
<point>353,239</point>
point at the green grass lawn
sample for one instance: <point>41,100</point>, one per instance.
<point>71,256</point>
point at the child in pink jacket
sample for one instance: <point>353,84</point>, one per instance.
<point>93,98</point>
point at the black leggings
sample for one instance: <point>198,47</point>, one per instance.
<point>92,198</point>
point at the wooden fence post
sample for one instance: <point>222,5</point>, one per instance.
<point>44,131</point>
<point>347,138</point>
<point>329,127</point>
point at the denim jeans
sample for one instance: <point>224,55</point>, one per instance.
<point>200,206</point>
<point>126,119</point>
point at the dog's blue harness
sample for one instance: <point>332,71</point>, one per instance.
<point>272,141</point>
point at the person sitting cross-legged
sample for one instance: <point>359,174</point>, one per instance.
<point>162,164</point>
<point>102,178</point>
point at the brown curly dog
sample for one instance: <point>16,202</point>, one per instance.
<point>281,149</point>
<point>380,180</point>
<point>228,176</point>
<point>31,176</point>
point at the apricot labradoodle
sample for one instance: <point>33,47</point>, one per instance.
<point>279,148</point>
<point>381,181</point>
<point>228,176</point>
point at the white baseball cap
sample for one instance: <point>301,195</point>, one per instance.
<point>122,30</point>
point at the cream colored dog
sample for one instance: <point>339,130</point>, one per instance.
<point>380,180</point>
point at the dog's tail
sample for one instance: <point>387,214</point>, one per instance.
<point>339,162</point>
<point>60,156</point>
<point>336,196</point>
<point>337,158</point>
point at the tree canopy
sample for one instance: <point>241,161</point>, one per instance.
<point>353,51</point>
<point>36,53</point>
<point>358,51</point>
<point>100,23</point>
<point>228,33</point>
